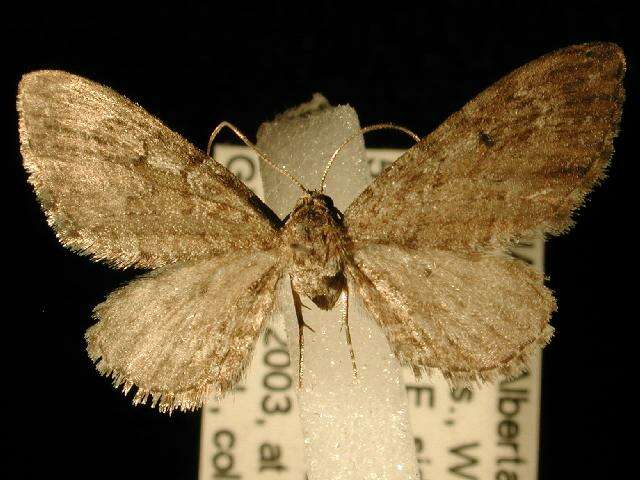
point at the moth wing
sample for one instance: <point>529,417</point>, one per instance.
<point>118,185</point>
<point>472,316</point>
<point>518,158</point>
<point>186,330</point>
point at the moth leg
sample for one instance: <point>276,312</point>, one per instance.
<point>345,322</point>
<point>298,305</point>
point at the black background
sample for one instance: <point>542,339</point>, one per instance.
<point>193,66</point>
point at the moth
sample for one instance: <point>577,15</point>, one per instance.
<point>422,248</point>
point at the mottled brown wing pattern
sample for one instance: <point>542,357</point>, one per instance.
<point>425,234</point>
<point>119,186</point>
<point>471,316</point>
<point>518,158</point>
<point>186,331</point>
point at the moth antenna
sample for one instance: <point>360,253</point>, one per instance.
<point>370,128</point>
<point>252,146</point>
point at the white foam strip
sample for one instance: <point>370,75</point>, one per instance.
<point>350,430</point>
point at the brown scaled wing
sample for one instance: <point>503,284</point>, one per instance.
<point>517,159</point>
<point>118,185</point>
<point>121,187</point>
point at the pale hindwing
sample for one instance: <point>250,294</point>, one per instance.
<point>187,330</point>
<point>518,158</point>
<point>472,316</point>
<point>118,185</point>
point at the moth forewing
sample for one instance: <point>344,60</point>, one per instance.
<point>517,159</point>
<point>121,187</point>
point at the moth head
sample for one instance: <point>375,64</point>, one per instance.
<point>315,201</point>
<point>319,198</point>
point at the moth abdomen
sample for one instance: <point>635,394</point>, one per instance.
<point>329,289</point>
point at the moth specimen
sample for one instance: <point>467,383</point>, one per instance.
<point>422,247</point>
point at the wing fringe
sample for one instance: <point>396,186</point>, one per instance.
<point>165,401</point>
<point>513,368</point>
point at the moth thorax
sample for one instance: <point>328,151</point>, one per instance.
<point>313,236</point>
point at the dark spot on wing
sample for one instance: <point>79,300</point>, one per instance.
<point>486,139</point>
